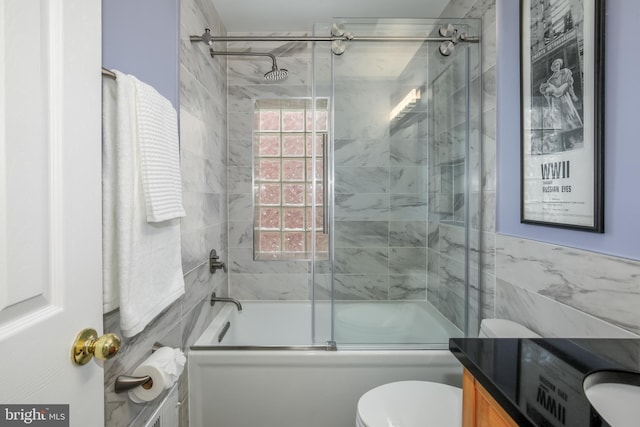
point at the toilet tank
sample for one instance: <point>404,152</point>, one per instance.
<point>502,328</point>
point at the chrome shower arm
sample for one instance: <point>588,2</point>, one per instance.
<point>275,73</point>
<point>213,53</point>
<point>207,38</point>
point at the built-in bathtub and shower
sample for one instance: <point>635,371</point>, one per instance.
<point>392,247</point>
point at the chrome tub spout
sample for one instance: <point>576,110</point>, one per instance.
<point>214,298</point>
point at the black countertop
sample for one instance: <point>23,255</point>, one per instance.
<point>539,381</point>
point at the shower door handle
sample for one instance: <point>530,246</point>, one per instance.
<point>325,181</point>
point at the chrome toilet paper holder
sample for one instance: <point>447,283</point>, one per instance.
<point>128,382</point>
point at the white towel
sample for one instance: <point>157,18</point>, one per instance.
<point>142,261</point>
<point>159,154</point>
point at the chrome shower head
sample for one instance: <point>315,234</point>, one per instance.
<point>276,73</point>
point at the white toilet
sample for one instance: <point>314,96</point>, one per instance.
<point>425,403</point>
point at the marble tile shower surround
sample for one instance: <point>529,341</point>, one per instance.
<point>446,127</point>
<point>203,129</point>
<point>388,209</point>
<point>365,205</point>
<point>249,279</point>
<point>595,285</point>
<point>483,157</point>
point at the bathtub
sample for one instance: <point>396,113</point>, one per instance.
<point>265,372</point>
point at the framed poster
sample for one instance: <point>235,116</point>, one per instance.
<point>562,95</point>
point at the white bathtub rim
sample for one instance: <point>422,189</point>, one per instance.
<point>209,337</point>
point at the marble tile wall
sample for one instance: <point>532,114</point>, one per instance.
<point>410,160</point>
<point>444,239</point>
<point>447,150</point>
<point>441,162</point>
<point>249,279</point>
<point>409,178</point>
<point>203,128</point>
<point>559,291</point>
<point>364,188</point>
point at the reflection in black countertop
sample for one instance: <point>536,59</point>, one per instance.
<point>539,381</point>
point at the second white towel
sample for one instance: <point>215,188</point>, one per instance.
<point>157,125</point>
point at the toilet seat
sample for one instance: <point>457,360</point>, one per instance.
<point>410,404</point>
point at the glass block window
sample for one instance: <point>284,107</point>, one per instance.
<point>284,179</point>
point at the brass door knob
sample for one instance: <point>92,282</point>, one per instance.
<point>87,345</point>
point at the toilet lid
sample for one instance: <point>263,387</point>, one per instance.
<point>410,404</point>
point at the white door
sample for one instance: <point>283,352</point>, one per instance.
<point>50,195</point>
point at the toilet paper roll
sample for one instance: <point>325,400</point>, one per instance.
<point>164,367</point>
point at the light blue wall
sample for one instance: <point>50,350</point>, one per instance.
<point>622,136</point>
<point>141,37</point>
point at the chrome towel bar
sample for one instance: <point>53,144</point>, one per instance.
<point>108,73</point>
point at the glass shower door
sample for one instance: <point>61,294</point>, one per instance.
<point>401,174</point>
<point>321,266</point>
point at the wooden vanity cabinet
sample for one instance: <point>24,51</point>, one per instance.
<point>479,409</point>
